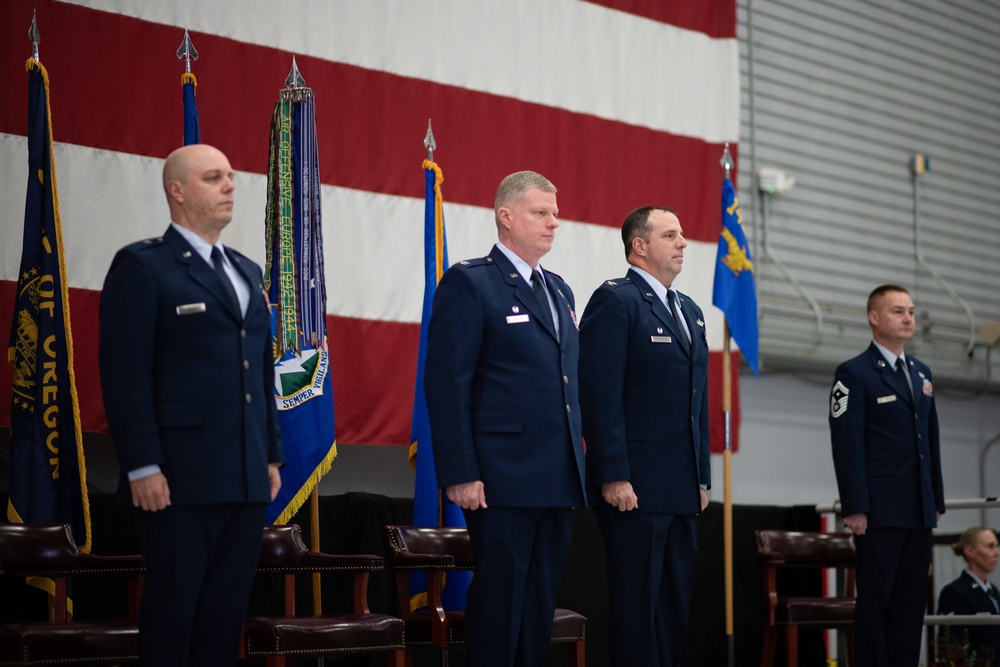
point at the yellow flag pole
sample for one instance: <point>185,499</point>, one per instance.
<point>314,545</point>
<point>727,475</point>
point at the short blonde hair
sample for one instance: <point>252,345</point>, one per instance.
<point>516,185</point>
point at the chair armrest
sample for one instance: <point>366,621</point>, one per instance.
<point>80,563</point>
<point>95,564</point>
<point>352,562</point>
<point>770,557</point>
<point>409,561</point>
<point>314,561</point>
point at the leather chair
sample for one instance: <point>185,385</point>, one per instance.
<point>438,551</point>
<point>48,552</point>
<point>778,549</point>
<point>287,635</point>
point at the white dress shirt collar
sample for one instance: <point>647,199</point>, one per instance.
<point>200,245</point>
<point>658,288</point>
<point>522,266</point>
<point>890,357</point>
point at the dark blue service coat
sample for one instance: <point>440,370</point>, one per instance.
<point>188,383</point>
<point>886,445</point>
<point>502,392</point>
<point>644,393</point>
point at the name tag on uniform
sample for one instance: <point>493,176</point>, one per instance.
<point>885,399</point>
<point>191,308</point>
<point>517,319</point>
<point>661,339</point>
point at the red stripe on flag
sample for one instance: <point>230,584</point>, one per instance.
<point>712,18</point>
<point>373,395</point>
<point>370,123</point>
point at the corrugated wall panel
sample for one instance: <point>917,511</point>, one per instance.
<point>842,94</point>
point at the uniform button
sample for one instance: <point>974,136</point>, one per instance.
<point>243,333</point>
<point>694,392</point>
<point>568,408</point>
<point>246,364</point>
<point>565,379</point>
<point>248,398</point>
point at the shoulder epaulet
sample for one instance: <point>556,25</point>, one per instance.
<point>236,252</point>
<point>618,282</point>
<point>478,261</point>
<point>556,275</point>
<point>145,243</point>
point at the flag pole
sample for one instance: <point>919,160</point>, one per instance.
<point>314,545</point>
<point>727,481</point>
<point>734,293</point>
<point>727,464</point>
<point>295,80</point>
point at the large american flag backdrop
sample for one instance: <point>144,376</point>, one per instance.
<point>621,103</point>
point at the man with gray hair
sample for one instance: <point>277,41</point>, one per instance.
<point>502,397</point>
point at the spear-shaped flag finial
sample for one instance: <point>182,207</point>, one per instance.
<point>34,35</point>
<point>429,142</point>
<point>187,52</point>
<point>727,160</point>
<point>294,79</point>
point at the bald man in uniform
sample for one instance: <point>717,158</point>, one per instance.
<point>188,377</point>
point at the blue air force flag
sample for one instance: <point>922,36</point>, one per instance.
<point>734,292</point>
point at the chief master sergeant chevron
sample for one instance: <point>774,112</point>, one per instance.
<point>886,452</point>
<point>502,397</point>
<point>187,370</point>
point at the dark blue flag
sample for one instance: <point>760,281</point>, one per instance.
<point>734,292</point>
<point>192,130</point>
<point>48,472</point>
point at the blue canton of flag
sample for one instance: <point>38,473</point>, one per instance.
<point>734,292</point>
<point>48,481</point>
<point>296,287</point>
<point>430,506</point>
<point>192,130</point>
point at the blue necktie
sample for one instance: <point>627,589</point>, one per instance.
<point>991,594</point>
<point>220,270</point>
<point>539,288</point>
<point>675,311</point>
<point>901,368</point>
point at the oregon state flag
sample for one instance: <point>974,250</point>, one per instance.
<point>48,472</point>
<point>430,506</point>
<point>734,292</point>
